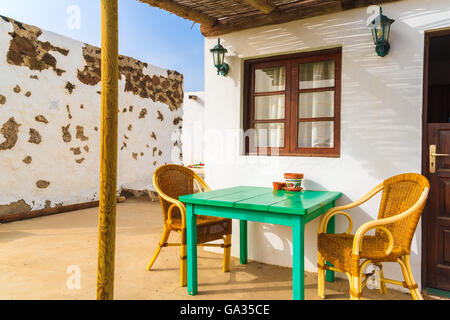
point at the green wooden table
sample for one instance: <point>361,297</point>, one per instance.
<point>293,209</point>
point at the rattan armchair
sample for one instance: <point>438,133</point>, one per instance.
<point>404,197</point>
<point>171,182</point>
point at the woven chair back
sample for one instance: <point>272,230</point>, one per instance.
<point>400,193</point>
<point>175,181</point>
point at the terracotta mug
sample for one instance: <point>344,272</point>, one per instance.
<point>278,185</point>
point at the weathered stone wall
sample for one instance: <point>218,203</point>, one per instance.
<point>50,119</point>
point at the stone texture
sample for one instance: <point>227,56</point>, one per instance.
<point>27,160</point>
<point>160,116</point>
<point>143,113</point>
<point>26,50</point>
<point>70,87</point>
<point>66,136</point>
<point>76,151</point>
<point>42,184</point>
<point>80,134</point>
<point>9,130</point>
<point>41,118</point>
<point>35,136</point>
<point>168,90</point>
<point>14,207</point>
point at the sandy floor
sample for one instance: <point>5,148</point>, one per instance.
<point>37,254</point>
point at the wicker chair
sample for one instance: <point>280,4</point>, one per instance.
<point>402,203</point>
<point>170,182</point>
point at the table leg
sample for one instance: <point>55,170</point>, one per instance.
<point>243,241</point>
<point>191,225</point>
<point>329,275</point>
<point>298,259</point>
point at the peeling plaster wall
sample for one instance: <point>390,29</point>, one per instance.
<point>50,119</point>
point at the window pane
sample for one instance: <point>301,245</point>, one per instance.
<point>316,104</point>
<point>316,75</point>
<point>270,79</point>
<point>269,107</point>
<point>269,135</point>
<point>318,134</point>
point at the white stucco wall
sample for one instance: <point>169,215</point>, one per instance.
<point>380,118</point>
<point>52,159</point>
<point>193,127</point>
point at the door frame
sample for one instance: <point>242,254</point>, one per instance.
<point>429,34</point>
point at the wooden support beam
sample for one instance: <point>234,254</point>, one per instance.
<point>108,162</point>
<point>265,6</point>
<point>182,11</point>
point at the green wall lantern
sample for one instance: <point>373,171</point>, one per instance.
<point>381,27</point>
<point>218,53</point>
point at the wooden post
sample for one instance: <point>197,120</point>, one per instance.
<point>108,162</point>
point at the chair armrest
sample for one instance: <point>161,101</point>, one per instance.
<point>179,205</point>
<point>324,222</point>
<point>175,203</point>
<point>359,236</point>
<point>381,223</point>
<point>327,216</point>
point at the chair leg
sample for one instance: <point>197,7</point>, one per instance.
<point>321,276</point>
<point>227,253</point>
<point>355,288</point>
<point>183,259</point>
<point>164,238</point>
<point>383,289</point>
<point>409,278</point>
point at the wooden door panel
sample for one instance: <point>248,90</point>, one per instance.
<point>443,190</point>
<point>438,210</point>
<point>443,147</point>
<point>446,247</point>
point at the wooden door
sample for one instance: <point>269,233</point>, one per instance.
<point>438,213</point>
<point>436,132</point>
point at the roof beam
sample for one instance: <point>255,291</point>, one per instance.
<point>285,13</point>
<point>282,14</point>
<point>265,6</point>
<point>183,11</point>
<point>348,4</point>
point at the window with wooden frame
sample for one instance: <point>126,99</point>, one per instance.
<point>292,104</point>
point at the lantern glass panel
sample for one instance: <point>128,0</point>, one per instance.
<point>387,29</point>
<point>221,58</point>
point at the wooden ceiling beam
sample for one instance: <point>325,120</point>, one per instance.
<point>282,14</point>
<point>265,6</point>
<point>285,13</point>
<point>183,11</point>
<point>351,4</point>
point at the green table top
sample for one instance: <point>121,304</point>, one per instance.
<point>264,199</point>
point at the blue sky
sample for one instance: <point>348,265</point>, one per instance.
<point>145,33</point>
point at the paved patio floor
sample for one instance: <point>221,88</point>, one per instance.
<point>35,256</point>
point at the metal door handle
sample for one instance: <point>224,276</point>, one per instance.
<point>433,156</point>
<point>440,154</point>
